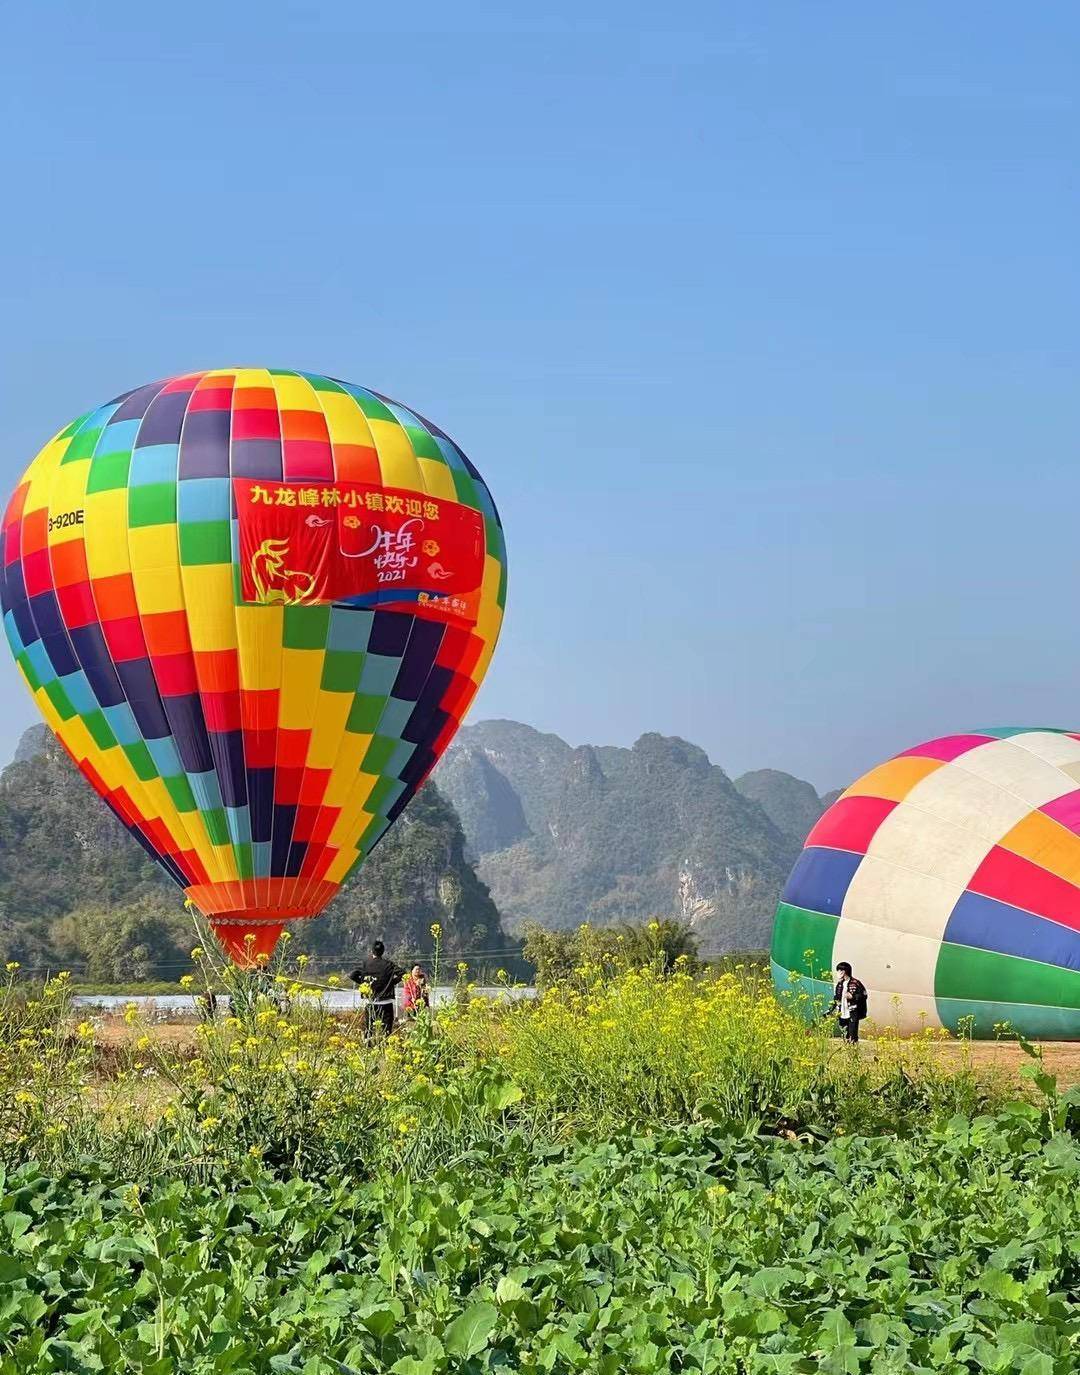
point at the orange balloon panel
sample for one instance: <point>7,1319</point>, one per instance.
<point>254,606</point>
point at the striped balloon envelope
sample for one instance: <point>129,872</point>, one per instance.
<point>949,878</point>
<point>253,605</point>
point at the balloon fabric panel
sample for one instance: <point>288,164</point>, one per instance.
<point>949,877</point>
<point>258,752</point>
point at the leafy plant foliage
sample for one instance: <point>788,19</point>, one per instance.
<point>702,1250</point>
<point>643,1169</point>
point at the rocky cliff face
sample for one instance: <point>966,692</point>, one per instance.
<point>530,763</point>
<point>34,741</point>
<point>790,804</point>
<point>489,808</point>
<point>617,834</point>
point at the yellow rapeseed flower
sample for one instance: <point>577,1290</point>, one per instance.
<point>12,965</point>
<point>187,980</point>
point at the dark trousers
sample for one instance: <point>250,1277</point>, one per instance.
<point>850,1028</point>
<point>379,1015</point>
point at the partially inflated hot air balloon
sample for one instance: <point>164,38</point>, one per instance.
<point>949,878</point>
<point>253,605</point>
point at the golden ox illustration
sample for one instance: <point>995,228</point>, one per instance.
<point>274,583</point>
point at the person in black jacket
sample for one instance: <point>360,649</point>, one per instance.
<point>382,976</point>
<point>849,1001</point>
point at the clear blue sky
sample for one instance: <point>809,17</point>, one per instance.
<point>760,319</point>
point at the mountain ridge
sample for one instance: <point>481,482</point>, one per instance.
<point>624,834</point>
<point>516,825</point>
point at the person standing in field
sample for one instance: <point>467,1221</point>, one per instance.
<point>382,976</point>
<point>849,1002</point>
<point>414,992</point>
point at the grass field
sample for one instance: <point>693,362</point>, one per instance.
<point>634,1172</point>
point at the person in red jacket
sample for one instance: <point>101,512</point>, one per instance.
<point>414,992</point>
<point>849,1002</point>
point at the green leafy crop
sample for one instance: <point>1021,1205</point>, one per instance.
<point>702,1250</point>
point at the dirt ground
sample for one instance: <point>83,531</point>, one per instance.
<point>1061,1058</point>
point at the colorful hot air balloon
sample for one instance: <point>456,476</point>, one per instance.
<point>949,878</point>
<point>254,606</point>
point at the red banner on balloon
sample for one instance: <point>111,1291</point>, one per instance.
<point>302,544</point>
